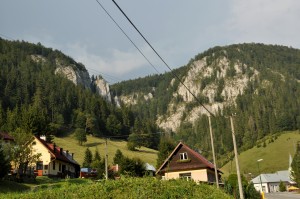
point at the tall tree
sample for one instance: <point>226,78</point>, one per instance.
<point>165,147</point>
<point>88,158</point>
<point>296,165</point>
<point>80,136</point>
<point>4,162</point>
<point>21,152</point>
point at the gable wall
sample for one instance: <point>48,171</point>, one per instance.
<point>38,147</point>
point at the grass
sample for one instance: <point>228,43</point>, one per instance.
<point>275,156</point>
<point>68,142</point>
<point>123,188</point>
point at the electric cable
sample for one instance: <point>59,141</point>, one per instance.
<point>127,36</point>
<point>162,58</point>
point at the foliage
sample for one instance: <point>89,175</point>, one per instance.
<point>296,165</point>
<point>4,162</point>
<point>21,152</point>
<point>231,187</point>
<point>282,186</point>
<point>123,188</point>
<point>129,167</point>
<point>166,146</point>
<point>80,136</point>
<point>88,158</point>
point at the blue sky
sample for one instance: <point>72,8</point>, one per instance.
<point>178,30</point>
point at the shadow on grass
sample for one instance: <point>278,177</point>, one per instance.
<point>10,186</point>
<point>93,144</point>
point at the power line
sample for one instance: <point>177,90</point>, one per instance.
<point>114,78</point>
<point>161,58</point>
<point>127,36</point>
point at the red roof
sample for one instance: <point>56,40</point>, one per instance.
<point>5,136</point>
<point>56,152</point>
<point>198,161</point>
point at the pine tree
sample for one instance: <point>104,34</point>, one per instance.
<point>88,158</point>
<point>4,163</point>
<point>296,166</point>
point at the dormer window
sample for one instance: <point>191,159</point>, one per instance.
<point>183,156</point>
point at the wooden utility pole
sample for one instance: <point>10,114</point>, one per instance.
<point>213,151</point>
<point>106,160</point>
<point>236,160</point>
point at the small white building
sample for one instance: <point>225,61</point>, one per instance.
<point>270,182</point>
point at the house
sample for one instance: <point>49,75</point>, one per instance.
<point>270,181</point>
<point>188,164</point>
<point>150,169</point>
<point>54,161</point>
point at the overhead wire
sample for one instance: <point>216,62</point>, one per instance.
<point>162,59</point>
<point>127,36</point>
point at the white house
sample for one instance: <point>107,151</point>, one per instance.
<point>54,161</point>
<point>270,181</point>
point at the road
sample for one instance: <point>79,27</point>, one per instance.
<point>282,195</point>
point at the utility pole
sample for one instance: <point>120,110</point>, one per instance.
<point>236,160</point>
<point>213,151</point>
<point>106,157</point>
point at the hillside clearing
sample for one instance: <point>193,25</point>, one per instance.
<point>70,143</point>
<point>275,156</point>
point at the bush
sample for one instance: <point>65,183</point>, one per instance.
<point>282,186</point>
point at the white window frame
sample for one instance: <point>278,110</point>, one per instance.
<point>183,156</point>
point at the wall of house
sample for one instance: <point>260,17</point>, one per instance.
<point>56,167</point>
<point>264,185</point>
<point>45,158</point>
<point>196,175</point>
<point>274,187</point>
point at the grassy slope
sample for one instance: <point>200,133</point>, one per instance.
<point>275,156</point>
<point>69,143</point>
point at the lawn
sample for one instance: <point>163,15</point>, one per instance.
<point>275,156</point>
<point>69,143</point>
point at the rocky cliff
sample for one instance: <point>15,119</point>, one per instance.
<point>102,88</point>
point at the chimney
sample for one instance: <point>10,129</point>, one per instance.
<point>54,147</point>
<point>61,150</point>
<point>43,137</point>
<point>72,155</point>
<point>67,153</point>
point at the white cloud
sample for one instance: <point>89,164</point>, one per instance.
<point>117,63</point>
<point>271,21</point>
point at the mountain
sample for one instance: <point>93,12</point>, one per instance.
<point>46,92</point>
<point>258,83</point>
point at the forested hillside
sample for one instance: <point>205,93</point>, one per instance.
<point>258,83</point>
<point>34,98</point>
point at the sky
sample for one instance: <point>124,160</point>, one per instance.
<point>177,29</point>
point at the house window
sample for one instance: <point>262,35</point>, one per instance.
<point>53,166</point>
<point>59,166</point>
<point>39,165</point>
<point>45,167</point>
<point>186,176</point>
<point>183,156</point>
